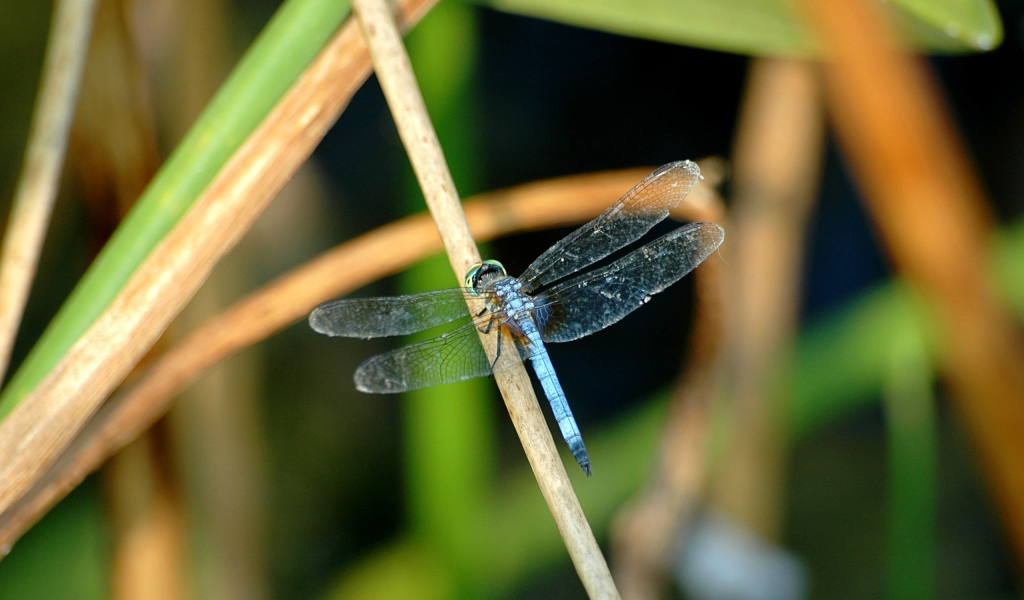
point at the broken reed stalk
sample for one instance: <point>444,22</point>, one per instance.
<point>649,527</point>
<point>37,431</point>
<point>776,170</point>
<point>66,51</point>
<point>391,62</point>
<point>385,251</point>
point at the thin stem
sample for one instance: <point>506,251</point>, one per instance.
<point>394,72</point>
<point>48,140</point>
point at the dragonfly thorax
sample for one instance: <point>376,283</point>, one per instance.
<point>512,300</point>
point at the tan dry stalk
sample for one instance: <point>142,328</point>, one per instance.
<point>38,430</point>
<point>933,216</point>
<point>394,71</point>
<point>40,176</point>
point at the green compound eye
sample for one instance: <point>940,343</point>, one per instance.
<point>477,271</point>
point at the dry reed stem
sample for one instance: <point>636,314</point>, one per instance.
<point>40,176</point>
<point>394,71</point>
<point>645,531</point>
<point>385,251</point>
<point>776,169</point>
<point>36,432</point>
<point>929,207</point>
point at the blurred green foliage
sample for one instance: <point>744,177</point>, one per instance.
<point>64,557</point>
<point>912,427</point>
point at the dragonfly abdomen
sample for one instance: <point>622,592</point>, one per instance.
<point>556,397</point>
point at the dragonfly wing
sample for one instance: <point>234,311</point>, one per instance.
<point>454,356</point>
<point>623,223</point>
<point>388,316</point>
<point>595,300</point>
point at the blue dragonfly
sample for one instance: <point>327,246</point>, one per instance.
<point>535,308</point>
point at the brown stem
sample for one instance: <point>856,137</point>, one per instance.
<point>927,203</point>
<point>148,526</point>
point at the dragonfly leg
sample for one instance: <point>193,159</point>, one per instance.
<point>497,353</point>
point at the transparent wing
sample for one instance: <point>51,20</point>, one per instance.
<point>595,300</point>
<point>623,223</point>
<point>454,356</point>
<point>387,316</point>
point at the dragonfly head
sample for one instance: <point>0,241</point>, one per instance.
<point>482,273</point>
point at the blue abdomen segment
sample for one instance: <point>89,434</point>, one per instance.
<point>556,397</point>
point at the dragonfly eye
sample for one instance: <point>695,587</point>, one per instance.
<point>481,272</point>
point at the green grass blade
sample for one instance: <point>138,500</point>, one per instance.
<point>286,46</point>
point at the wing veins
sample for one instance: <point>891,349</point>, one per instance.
<point>592,301</point>
<point>388,316</point>
<point>624,222</point>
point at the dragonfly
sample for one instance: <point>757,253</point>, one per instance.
<point>550,302</point>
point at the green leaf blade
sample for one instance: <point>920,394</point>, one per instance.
<point>765,27</point>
